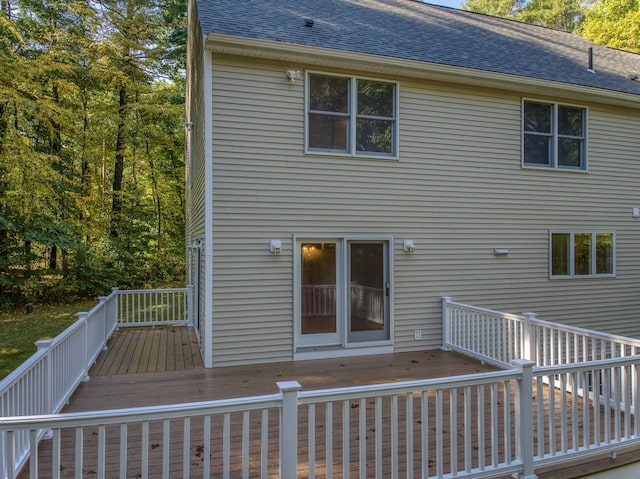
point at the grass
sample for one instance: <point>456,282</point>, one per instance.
<point>19,330</point>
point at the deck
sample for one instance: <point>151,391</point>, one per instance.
<point>145,366</point>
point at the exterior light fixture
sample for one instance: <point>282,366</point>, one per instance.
<point>408,247</point>
<point>293,75</point>
<point>275,246</point>
<point>635,212</point>
<point>500,251</point>
<point>189,125</point>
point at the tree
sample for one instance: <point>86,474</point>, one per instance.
<point>615,23</point>
<point>91,168</point>
<point>496,8</point>
<point>559,14</point>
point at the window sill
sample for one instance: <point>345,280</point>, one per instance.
<point>351,155</point>
<point>549,168</point>
<point>586,276</point>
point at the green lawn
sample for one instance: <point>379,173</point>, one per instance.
<point>19,331</point>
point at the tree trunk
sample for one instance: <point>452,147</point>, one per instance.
<point>53,258</point>
<point>156,195</point>
<point>118,171</point>
<point>6,8</point>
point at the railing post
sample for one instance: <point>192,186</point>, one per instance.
<point>524,417</point>
<point>289,428</point>
<point>102,301</point>
<point>190,318</point>
<point>115,292</point>
<point>446,324</point>
<point>85,361</point>
<point>45,345</point>
<point>530,341</point>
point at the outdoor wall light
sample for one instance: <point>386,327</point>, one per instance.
<point>635,212</point>
<point>293,75</point>
<point>408,247</point>
<point>275,246</point>
<point>500,251</point>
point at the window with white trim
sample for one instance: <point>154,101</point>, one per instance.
<point>350,115</point>
<point>582,254</point>
<point>554,136</point>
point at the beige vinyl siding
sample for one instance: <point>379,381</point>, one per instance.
<point>195,229</point>
<point>457,190</point>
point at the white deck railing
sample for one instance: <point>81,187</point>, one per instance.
<point>235,433</point>
<point>44,382</point>
<point>499,338</point>
<point>153,307</point>
<point>482,426</point>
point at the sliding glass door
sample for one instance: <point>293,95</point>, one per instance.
<point>343,292</point>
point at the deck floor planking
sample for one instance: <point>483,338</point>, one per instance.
<point>147,379</point>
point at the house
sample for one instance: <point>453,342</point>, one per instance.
<point>352,162</point>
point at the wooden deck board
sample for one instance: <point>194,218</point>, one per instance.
<point>153,349</point>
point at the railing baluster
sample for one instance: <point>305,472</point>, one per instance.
<point>467,429</point>
<point>123,450</point>
<point>186,447</point>
<point>55,454</point>
<point>453,428</point>
<point>329,440</point>
<point>166,447</point>
<point>245,445</point>
<point>378,430</point>
<point>481,427</point>
<point>226,446</point>
<point>563,413</point>
<point>573,385</point>
<point>311,440</point>
<point>424,433</point>
<point>144,460</point>
<point>540,434</point>
<point>409,434</point>
<point>33,449</point>
<point>206,449</point>
<point>362,431</point>
<point>102,440</point>
<point>345,438</point>
<point>394,436</point>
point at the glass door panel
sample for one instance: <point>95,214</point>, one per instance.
<point>368,292</point>
<point>318,294</point>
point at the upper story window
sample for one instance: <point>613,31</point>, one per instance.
<point>554,136</point>
<point>580,254</point>
<point>350,115</point>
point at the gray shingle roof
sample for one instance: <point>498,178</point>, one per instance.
<point>412,30</point>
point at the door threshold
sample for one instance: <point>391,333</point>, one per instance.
<point>329,352</point>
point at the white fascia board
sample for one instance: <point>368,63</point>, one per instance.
<point>325,57</point>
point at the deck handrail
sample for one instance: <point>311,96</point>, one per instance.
<point>45,381</point>
<point>498,338</point>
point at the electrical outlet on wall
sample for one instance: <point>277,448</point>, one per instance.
<point>417,334</point>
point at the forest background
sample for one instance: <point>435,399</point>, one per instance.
<point>92,128</point>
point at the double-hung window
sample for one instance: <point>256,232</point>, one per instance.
<point>581,254</point>
<point>554,136</point>
<point>350,115</point>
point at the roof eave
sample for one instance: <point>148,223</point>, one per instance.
<point>325,57</point>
